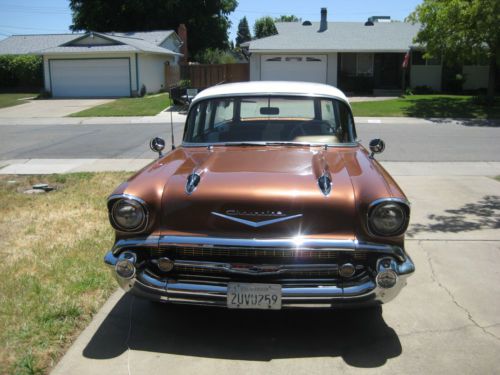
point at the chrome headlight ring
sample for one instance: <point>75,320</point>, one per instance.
<point>388,217</point>
<point>130,205</point>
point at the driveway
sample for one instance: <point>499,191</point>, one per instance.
<point>50,108</point>
<point>445,321</point>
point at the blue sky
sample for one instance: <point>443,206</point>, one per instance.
<point>54,16</point>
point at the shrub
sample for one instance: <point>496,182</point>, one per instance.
<point>422,90</point>
<point>21,71</point>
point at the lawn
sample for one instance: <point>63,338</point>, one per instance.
<point>9,100</point>
<point>426,106</point>
<point>53,276</point>
<point>149,105</point>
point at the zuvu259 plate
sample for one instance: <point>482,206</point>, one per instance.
<point>254,296</point>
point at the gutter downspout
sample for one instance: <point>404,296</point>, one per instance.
<point>137,73</point>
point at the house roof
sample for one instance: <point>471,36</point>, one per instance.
<point>339,37</point>
<point>144,41</point>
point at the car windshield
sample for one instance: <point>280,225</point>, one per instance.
<point>270,119</point>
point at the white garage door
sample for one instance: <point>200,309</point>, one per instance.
<point>90,77</point>
<point>293,68</point>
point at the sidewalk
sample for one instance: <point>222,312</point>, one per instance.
<point>51,166</point>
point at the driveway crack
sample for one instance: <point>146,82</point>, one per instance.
<point>453,299</point>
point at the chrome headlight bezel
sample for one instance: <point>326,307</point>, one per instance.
<point>399,204</point>
<point>113,203</point>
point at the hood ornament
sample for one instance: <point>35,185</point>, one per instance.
<point>325,184</point>
<point>257,224</point>
<point>192,182</point>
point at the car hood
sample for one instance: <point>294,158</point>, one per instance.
<point>260,192</point>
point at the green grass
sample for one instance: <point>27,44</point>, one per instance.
<point>9,100</point>
<point>497,178</point>
<point>149,105</point>
<point>426,106</point>
<point>53,276</point>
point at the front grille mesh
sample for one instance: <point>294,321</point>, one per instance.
<point>296,273</point>
<point>267,253</point>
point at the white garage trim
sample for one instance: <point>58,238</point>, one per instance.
<point>296,67</point>
<point>90,77</point>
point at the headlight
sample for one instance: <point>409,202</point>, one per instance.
<point>388,218</point>
<point>128,215</point>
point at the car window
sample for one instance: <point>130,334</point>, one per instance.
<point>270,119</point>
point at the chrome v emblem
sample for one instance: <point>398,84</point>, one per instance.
<point>259,223</point>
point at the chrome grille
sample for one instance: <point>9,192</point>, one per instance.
<point>200,270</point>
<point>280,253</point>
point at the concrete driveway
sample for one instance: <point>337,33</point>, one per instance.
<point>50,108</point>
<point>447,319</point>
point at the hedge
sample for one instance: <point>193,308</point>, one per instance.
<point>21,71</point>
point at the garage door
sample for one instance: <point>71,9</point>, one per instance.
<point>90,77</point>
<point>293,68</point>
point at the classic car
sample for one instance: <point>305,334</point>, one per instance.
<point>270,202</point>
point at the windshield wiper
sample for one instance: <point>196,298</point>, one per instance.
<point>262,143</point>
<point>284,143</point>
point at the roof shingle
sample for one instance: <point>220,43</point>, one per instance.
<point>339,37</point>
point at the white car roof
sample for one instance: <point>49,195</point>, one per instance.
<point>271,88</point>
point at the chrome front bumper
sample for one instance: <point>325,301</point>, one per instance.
<point>207,292</point>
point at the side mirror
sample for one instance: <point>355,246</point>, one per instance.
<point>377,146</point>
<point>157,144</point>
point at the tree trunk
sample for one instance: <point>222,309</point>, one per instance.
<point>492,79</point>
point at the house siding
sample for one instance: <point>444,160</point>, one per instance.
<point>426,75</point>
<point>332,69</point>
<point>152,71</point>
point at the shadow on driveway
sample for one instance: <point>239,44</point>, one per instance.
<point>466,110</point>
<point>483,214</point>
<point>360,337</point>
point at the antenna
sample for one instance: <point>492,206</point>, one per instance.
<point>171,120</point>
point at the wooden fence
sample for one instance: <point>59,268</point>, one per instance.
<point>206,75</point>
<point>172,75</point>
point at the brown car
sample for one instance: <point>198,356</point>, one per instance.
<point>270,202</point>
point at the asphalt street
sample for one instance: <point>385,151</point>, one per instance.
<point>405,141</point>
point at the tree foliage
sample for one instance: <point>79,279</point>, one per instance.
<point>460,31</point>
<point>21,71</point>
<point>264,27</point>
<point>215,56</point>
<point>285,18</point>
<point>243,32</point>
<point>207,21</point>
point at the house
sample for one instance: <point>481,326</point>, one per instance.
<point>354,56</point>
<point>94,64</point>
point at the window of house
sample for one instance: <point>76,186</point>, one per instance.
<point>357,64</point>
<point>417,58</point>
<point>294,59</point>
<point>312,59</point>
<point>274,59</point>
<point>364,65</point>
<point>348,64</point>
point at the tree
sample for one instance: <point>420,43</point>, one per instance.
<point>243,32</point>
<point>284,18</point>
<point>461,31</point>
<point>207,21</point>
<point>264,27</point>
<point>215,56</point>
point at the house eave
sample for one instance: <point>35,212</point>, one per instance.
<point>317,51</point>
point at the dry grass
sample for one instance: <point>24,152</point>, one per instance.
<point>53,277</point>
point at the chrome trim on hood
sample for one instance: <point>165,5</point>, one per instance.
<point>254,224</point>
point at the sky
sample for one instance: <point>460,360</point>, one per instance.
<point>54,16</point>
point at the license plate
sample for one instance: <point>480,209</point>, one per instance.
<point>254,296</point>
